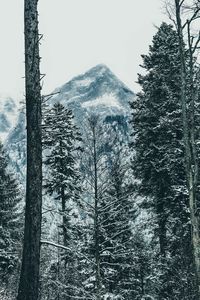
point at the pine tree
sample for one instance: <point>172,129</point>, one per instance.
<point>10,228</point>
<point>158,162</point>
<point>61,141</point>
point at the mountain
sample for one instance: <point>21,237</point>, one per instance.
<point>97,91</point>
<point>8,116</point>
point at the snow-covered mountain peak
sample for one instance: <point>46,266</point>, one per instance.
<point>97,89</point>
<point>99,70</point>
<point>108,100</point>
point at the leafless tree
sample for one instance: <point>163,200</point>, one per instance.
<point>29,279</point>
<point>185,14</point>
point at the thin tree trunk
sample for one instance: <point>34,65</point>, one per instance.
<point>64,219</point>
<point>162,232</point>
<point>190,153</point>
<point>29,279</point>
<point>142,285</point>
<point>63,199</point>
<point>194,174</point>
<point>96,221</point>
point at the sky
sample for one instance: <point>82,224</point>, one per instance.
<point>78,34</point>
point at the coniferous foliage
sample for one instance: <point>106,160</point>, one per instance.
<point>158,161</point>
<point>61,141</point>
<point>10,227</point>
<point>60,137</point>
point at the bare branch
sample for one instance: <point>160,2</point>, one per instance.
<point>196,44</point>
<point>52,94</point>
<point>181,4</point>
<point>169,12</point>
<point>42,76</point>
<point>44,242</point>
<point>48,97</point>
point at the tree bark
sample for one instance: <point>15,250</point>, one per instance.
<point>29,279</point>
<point>63,199</point>
<point>96,218</point>
<point>64,219</point>
<point>191,164</point>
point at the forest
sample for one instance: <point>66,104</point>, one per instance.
<point>101,201</point>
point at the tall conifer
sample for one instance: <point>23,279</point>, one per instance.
<point>158,161</point>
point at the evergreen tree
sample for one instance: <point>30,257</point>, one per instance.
<point>10,228</point>
<point>61,141</point>
<point>158,161</point>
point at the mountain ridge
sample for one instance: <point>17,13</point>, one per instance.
<point>97,88</point>
<point>96,91</point>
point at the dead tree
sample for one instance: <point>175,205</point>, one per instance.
<point>29,278</point>
<point>93,121</point>
<point>188,98</point>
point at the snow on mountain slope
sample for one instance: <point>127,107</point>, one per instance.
<point>105,100</point>
<point>97,91</point>
<point>8,116</point>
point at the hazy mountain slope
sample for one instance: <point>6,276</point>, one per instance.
<point>97,91</point>
<point>8,116</point>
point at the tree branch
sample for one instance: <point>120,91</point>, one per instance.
<point>44,242</point>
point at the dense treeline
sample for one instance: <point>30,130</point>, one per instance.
<point>10,228</point>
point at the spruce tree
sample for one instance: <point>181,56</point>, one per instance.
<point>10,228</point>
<point>61,141</point>
<point>158,162</point>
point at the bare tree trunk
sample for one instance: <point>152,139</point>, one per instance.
<point>64,219</point>
<point>96,218</point>
<point>194,211</point>
<point>63,200</point>
<point>29,279</point>
<point>189,142</point>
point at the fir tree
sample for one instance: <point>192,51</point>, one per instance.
<point>158,162</point>
<point>61,141</point>
<point>10,227</point>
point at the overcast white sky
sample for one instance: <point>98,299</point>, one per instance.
<point>78,34</point>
